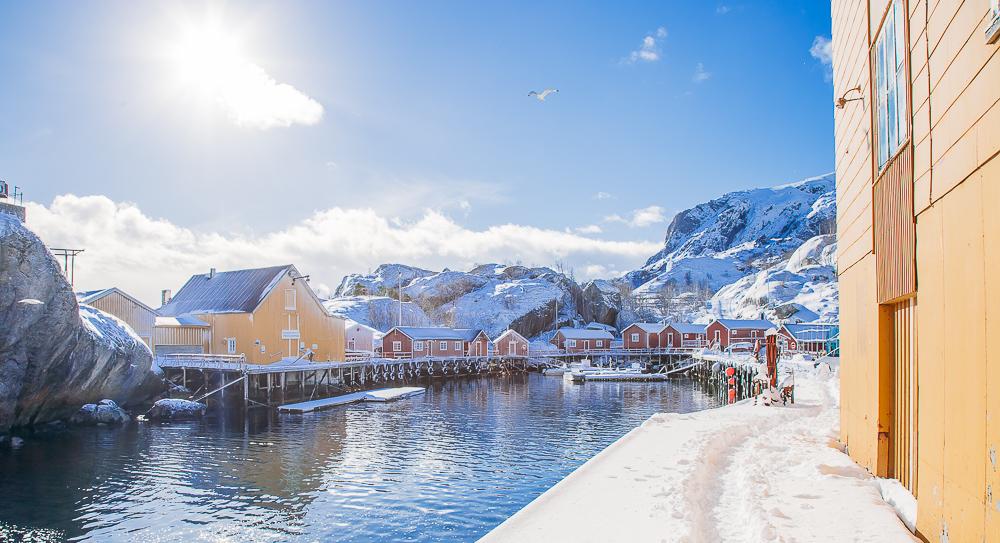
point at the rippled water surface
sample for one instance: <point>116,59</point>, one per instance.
<point>446,466</point>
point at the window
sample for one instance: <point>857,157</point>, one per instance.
<point>670,339</point>
<point>571,343</point>
<point>397,346</point>
<point>443,346</point>
<point>753,333</point>
<point>418,345</point>
<point>600,343</point>
<point>290,299</point>
<point>891,83</point>
<point>635,338</point>
<point>512,346</point>
<point>458,345</point>
<point>231,345</point>
<point>993,30</point>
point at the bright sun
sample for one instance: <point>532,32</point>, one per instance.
<point>210,66</point>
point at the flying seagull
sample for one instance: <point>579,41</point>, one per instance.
<point>542,95</point>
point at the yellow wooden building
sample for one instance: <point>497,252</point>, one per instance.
<point>116,302</point>
<point>917,86</point>
<point>265,314</point>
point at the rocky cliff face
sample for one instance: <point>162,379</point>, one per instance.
<point>54,355</point>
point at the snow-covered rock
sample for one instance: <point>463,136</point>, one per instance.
<point>385,278</point>
<point>54,355</point>
<point>379,312</point>
<point>176,409</point>
<point>103,412</point>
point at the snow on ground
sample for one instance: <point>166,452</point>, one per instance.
<point>734,474</point>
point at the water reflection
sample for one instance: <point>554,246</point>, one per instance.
<point>446,466</point>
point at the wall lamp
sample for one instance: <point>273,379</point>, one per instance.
<point>842,101</point>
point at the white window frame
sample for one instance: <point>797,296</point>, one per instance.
<point>458,345</point>
<point>231,345</point>
<point>753,333</point>
<point>571,343</point>
<point>600,343</point>
<point>635,337</point>
<point>418,345</point>
<point>442,345</point>
<point>291,299</point>
<point>891,85</point>
<point>512,347</point>
<point>397,346</point>
<point>993,29</point>
<point>670,339</point>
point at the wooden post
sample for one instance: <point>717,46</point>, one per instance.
<point>246,390</point>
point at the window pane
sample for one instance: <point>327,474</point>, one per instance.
<point>900,35</point>
<point>880,97</point>
<point>889,41</point>
<point>901,106</point>
<point>891,115</point>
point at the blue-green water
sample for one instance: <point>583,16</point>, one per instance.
<point>446,466</point>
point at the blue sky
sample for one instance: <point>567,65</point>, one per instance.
<point>424,114</point>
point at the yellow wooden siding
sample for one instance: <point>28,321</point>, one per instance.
<point>182,335</point>
<point>902,445</point>
<point>135,315</point>
<point>266,324</point>
<point>895,229</point>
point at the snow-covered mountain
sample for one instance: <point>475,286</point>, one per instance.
<point>749,253</point>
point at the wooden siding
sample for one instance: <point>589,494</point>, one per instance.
<point>895,229</point>
<point>502,345</point>
<point>140,318</point>
<point>182,335</point>
<point>902,445</point>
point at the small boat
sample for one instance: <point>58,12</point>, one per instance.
<point>557,370</point>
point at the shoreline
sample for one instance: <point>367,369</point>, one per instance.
<point>741,472</point>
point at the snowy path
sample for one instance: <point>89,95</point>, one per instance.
<point>740,473</point>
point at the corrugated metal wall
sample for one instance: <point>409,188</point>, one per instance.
<point>895,229</point>
<point>902,442</point>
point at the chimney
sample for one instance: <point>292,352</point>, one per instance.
<point>165,296</point>
<point>211,273</point>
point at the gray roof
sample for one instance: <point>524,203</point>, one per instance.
<point>183,320</point>
<point>433,332</point>
<point>584,333</point>
<point>687,328</point>
<point>648,327</point>
<point>239,291</point>
<point>746,324</point>
<point>508,332</point>
<point>812,331</point>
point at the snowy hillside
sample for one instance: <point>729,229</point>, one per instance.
<point>767,251</point>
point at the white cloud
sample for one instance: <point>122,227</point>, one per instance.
<point>640,218</point>
<point>649,50</point>
<point>602,196</point>
<point>589,229</point>
<point>141,254</point>
<point>210,67</point>
<point>700,75</point>
<point>822,50</point>
<point>723,9</point>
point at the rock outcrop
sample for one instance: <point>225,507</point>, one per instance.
<point>174,409</point>
<point>103,412</point>
<point>55,357</point>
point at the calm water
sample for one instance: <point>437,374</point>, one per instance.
<point>446,466</point>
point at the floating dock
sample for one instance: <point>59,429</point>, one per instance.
<point>583,376</point>
<point>378,395</point>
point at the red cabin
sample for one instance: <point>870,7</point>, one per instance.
<point>744,334</point>
<point>642,335</point>
<point>510,343</point>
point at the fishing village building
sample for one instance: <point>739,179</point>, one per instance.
<point>683,335</point>
<point>478,343</point>
<point>809,337</point>
<point>510,343</point>
<point>723,333</point>
<point>574,340</point>
<point>917,118</point>
<point>130,310</point>
<point>360,337</point>
<point>419,342</point>
<point>642,335</point>
<point>266,314</point>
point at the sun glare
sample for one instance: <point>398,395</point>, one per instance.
<point>205,57</point>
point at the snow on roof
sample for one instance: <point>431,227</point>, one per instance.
<point>648,327</point>
<point>508,332</point>
<point>687,328</point>
<point>239,291</point>
<point>746,323</point>
<point>421,333</point>
<point>584,333</point>
<point>180,320</point>
<point>811,331</point>
<point>91,296</point>
<point>349,323</point>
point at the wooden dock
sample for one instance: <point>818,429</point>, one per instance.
<point>378,395</point>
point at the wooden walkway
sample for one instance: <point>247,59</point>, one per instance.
<point>378,395</point>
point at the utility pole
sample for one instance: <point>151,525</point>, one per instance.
<point>399,284</point>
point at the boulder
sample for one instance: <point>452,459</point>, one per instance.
<point>54,355</point>
<point>175,409</point>
<point>104,412</point>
